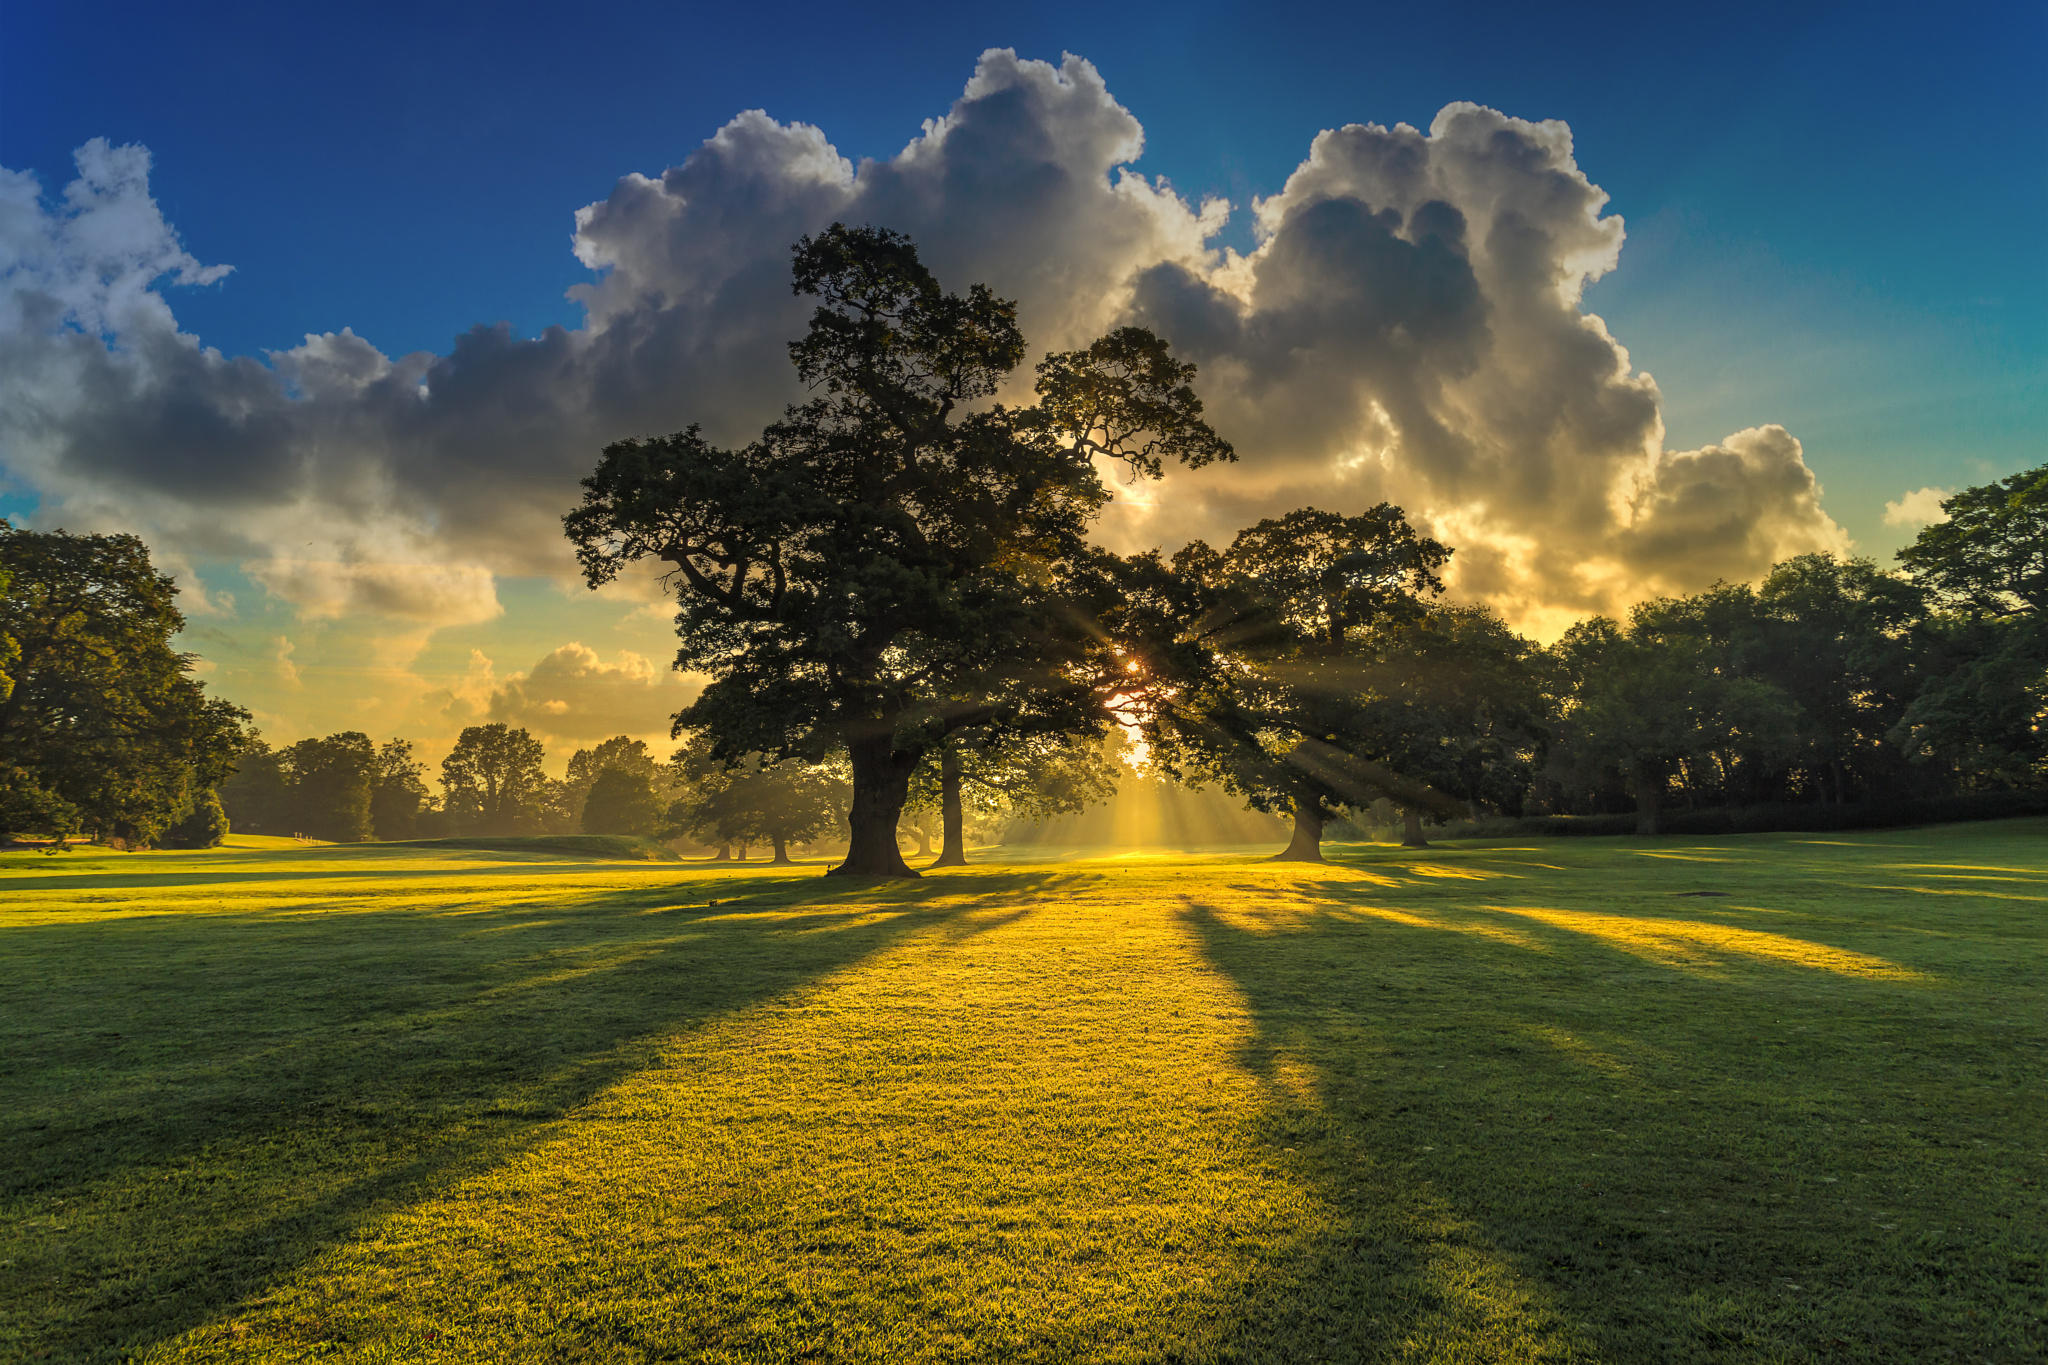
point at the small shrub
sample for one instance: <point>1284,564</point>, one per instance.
<point>204,826</point>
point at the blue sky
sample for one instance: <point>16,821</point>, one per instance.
<point>1837,210</point>
<point>1835,214</point>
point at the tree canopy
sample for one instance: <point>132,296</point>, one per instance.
<point>901,556</point>
<point>1265,686</point>
<point>492,781</point>
<point>102,728</point>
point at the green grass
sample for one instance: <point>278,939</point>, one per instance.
<point>1486,1103</point>
<point>591,846</point>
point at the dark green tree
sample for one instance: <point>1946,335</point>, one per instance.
<point>257,794</point>
<point>1841,639</point>
<point>1989,555</point>
<point>398,791</point>
<point>900,555</point>
<point>754,798</point>
<point>1454,699</point>
<point>103,729</point>
<point>622,800</point>
<point>204,826</point>
<point>1644,700</point>
<point>331,784</point>
<point>1981,713</point>
<point>492,782</point>
<point>1262,688</point>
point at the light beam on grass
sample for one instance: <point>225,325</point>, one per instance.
<point>1678,942</point>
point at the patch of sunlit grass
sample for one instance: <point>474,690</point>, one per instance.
<point>1694,942</point>
<point>280,1103</point>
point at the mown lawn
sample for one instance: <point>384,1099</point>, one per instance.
<point>1763,1098</point>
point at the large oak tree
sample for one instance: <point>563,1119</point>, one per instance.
<point>901,556</point>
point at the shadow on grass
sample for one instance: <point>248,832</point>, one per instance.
<point>191,1107</point>
<point>1548,1146</point>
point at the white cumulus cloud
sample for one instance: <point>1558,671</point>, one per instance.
<point>1921,507</point>
<point>1408,326</point>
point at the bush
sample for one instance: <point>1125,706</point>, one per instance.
<point>204,826</point>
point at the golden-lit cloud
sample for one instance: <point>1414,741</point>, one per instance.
<point>572,696</point>
<point>1921,507</point>
<point>1408,325</point>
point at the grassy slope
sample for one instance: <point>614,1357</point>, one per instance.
<point>1489,1103</point>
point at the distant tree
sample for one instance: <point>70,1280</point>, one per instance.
<point>1842,640</point>
<point>1647,698</point>
<point>257,794</point>
<point>898,543</point>
<point>1019,773</point>
<point>102,729</point>
<point>1265,690</point>
<point>1455,700</point>
<point>1989,555</point>
<point>754,798</point>
<point>1980,716</point>
<point>492,781</point>
<point>331,784</point>
<point>398,791</point>
<point>622,800</point>
<point>10,648</point>
<point>1981,712</point>
<point>625,755</point>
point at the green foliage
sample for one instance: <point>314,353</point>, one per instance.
<point>10,648</point>
<point>102,730</point>
<point>1456,700</point>
<point>398,791</point>
<point>896,558</point>
<point>1266,686</point>
<point>1647,698</point>
<point>204,826</point>
<point>1990,554</point>
<point>257,794</point>
<point>332,780</point>
<point>492,782</point>
<point>622,801</point>
<point>753,798</point>
<point>1981,712</point>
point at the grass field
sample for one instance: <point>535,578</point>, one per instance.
<point>1764,1098</point>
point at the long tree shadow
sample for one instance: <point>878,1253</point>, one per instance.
<point>1532,1141</point>
<point>191,1106</point>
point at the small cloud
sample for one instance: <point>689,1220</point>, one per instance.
<point>281,651</point>
<point>1921,507</point>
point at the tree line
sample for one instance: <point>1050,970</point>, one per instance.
<point>907,628</point>
<point>898,570</point>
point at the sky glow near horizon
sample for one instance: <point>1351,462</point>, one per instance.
<point>366,529</point>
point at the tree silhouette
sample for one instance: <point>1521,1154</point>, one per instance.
<point>492,781</point>
<point>1264,686</point>
<point>102,729</point>
<point>900,557</point>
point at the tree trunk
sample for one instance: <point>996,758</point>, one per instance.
<point>1307,844</point>
<point>923,837</point>
<point>1649,797</point>
<point>1411,828</point>
<point>954,854</point>
<point>781,857</point>
<point>742,854</point>
<point>881,783</point>
<point>724,854</point>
